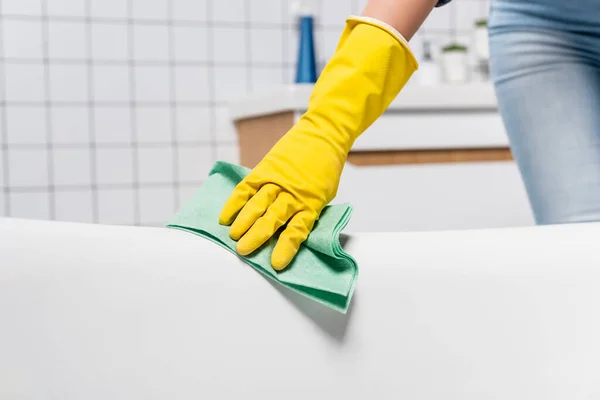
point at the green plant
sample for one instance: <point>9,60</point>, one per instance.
<point>454,47</point>
<point>481,23</point>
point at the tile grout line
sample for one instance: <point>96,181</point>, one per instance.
<point>60,103</point>
<point>133,114</point>
<point>104,186</point>
<point>113,145</point>
<point>143,63</point>
<point>92,116</point>
<point>6,189</point>
<point>212,125</point>
<point>248,43</point>
<point>48,110</point>
<point>176,22</point>
<point>173,107</point>
<point>285,36</point>
<point>319,31</point>
<point>452,16</point>
<point>138,21</point>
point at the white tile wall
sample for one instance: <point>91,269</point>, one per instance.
<point>192,84</point>
<point>264,79</point>
<point>224,129</point>
<point>111,83</point>
<point>68,83</point>
<point>114,166</point>
<point>108,8</point>
<point>71,167</point>
<point>22,39</point>
<point>186,10</point>
<point>153,124</point>
<point>231,83</point>
<point>232,46</point>
<point>74,205</point>
<point>112,125</point>
<point>231,10</point>
<point>335,12</point>
<point>67,40</point>
<point>70,125</point>
<point>114,111</point>
<point>155,165</point>
<point>190,43</point>
<point>31,205</point>
<point>330,41</point>
<point>152,83</point>
<point>24,82</point>
<point>22,7</point>
<point>151,42</point>
<point>74,8</point>
<point>228,152</point>
<point>109,42</point>
<point>193,124</point>
<point>116,206</point>
<point>276,13</point>
<point>185,193</point>
<point>265,47</point>
<point>27,168</point>
<point>26,125</point>
<point>193,164</point>
<point>150,9</point>
<point>156,204</point>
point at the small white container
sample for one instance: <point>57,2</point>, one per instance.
<point>480,41</point>
<point>455,64</point>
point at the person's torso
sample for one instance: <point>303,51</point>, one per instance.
<point>570,15</point>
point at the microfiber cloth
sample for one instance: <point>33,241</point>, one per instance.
<point>321,270</point>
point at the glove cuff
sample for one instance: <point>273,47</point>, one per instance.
<point>354,20</point>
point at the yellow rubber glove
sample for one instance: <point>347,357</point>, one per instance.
<point>301,173</point>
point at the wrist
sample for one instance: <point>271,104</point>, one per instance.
<point>326,131</point>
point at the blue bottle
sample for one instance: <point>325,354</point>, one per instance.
<point>306,67</point>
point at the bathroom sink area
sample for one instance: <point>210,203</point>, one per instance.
<point>460,116</point>
<point>437,159</point>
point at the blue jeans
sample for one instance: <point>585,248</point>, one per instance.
<point>545,64</point>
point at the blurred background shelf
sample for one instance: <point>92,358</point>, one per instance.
<point>414,97</point>
<point>424,124</point>
<point>438,158</point>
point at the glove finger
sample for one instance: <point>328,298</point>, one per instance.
<point>291,238</point>
<point>265,227</point>
<point>236,201</point>
<point>253,210</point>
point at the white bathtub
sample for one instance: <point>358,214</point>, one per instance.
<point>100,312</point>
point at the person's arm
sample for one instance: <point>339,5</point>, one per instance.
<point>301,173</point>
<point>406,16</point>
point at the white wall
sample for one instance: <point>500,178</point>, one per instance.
<point>113,111</point>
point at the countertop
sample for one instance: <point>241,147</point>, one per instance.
<point>415,97</point>
<point>421,117</point>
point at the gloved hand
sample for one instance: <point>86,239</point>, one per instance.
<point>300,175</point>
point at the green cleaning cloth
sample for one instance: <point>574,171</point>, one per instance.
<point>321,270</point>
